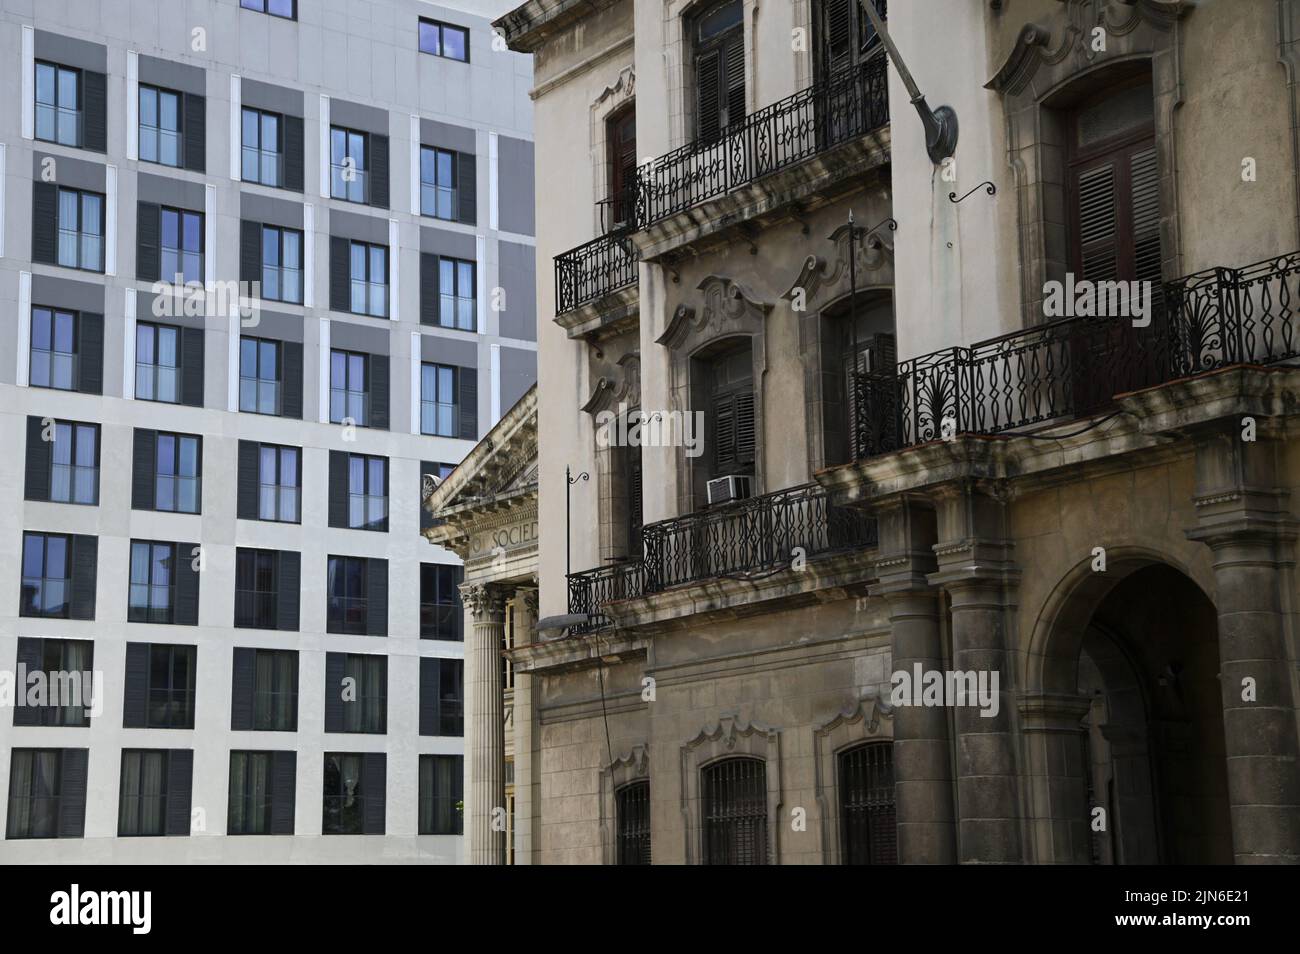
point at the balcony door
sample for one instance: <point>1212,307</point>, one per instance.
<point>846,35</point>
<point>719,56</point>
<point>619,209</point>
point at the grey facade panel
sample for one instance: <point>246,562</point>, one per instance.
<point>178,193</point>
<point>451,244</point>
<point>269,211</point>
<point>361,228</point>
<point>447,136</point>
<point>457,351</point>
<point>349,337</point>
<point>358,117</point>
<point>518,277</point>
<point>276,325</point>
<point>275,99</point>
<point>515,201</point>
<point>172,75</point>
<point>73,173</point>
<point>66,51</point>
<point>66,293</point>
<point>518,372</point>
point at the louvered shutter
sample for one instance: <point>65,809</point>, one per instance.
<point>45,223</point>
<point>94,89</point>
<point>746,439</point>
<point>466,188</point>
<point>85,572</point>
<point>374,777</point>
<point>72,792</point>
<point>293,153</point>
<point>36,479</point>
<point>335,668</point>
<point>243,681</point>
<point>186,575</point>
<point>724,434</point>
<point>148,225</point>
<point>338,489</point>
<point>180,782</point>
<point>192,367</point>
<point>340,274</point>
<point>379,171</point>
<point>90,353</point>
<point>291,386</point>
<point>1098,224</point>
<point>143,469</point>
<point>248,478</point>
<point>634,505</point>
<point>288,586</point>
<point>734,53</point>
<point>195,132</point>
<point>284,766</point>
<point>376,597</point>
<point>30,659</point>
<point>429,290</point>
<point>135,694</point>
<point>708,95</point>
<point>467,402</point>
<point>250,251</point>
<point>837,35</point>
<point>1144,181</point>
<point>430,696</point>
<point>379,391</point>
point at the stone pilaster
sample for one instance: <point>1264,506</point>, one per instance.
<point>976,571</point>
<point>1055,777</point>
<point>485,792</point>
<point>922,748</point>
<point>527,739</point>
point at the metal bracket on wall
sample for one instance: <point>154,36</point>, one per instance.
<point>991,190</point>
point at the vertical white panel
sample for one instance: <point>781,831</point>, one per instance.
<point>415,164</point>
<point>24,325</point>
<point>128,346</point>
<point>416,353</point>
<point>324,147</point>
<point>232,361</point>
<point>2,200</point>
<point>323,391</point>
<point>492,180</point>
<point>308,255</point>
<point>110,220</point>
<point>495,386</point>
<point>394,257</point>
<point>210,238</point>
<point>480,269</point>
<point>236,124</point>
<point>132,105</point>
<point>29,82</point>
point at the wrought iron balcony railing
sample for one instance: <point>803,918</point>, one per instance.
<point>1074,367</point>
<point>749,538</point>
<point>846,105</point>
<point>594,270</point>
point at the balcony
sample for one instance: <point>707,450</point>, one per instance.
<point>748,540</point>
<point>594,271</point>
<point>1074,367</point>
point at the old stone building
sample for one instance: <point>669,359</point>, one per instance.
<point>933,435</point>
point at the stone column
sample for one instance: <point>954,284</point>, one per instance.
<point>527,753</point>
<point>1247,524</point>
<point>922,747</point>
<point>976,572</point>
<point>1055,778</point>
<point>485,790</point>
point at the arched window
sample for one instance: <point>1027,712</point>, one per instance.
<point>865,779</point>
<point>734,806</point>
<point>632,811</point>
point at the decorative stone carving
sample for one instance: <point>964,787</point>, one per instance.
<point>484,601</point>
<point>867,719</point>
<point>613,391</point>
<point>875,267</point>
<point>726,305</point>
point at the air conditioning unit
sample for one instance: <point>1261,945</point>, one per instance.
<point>723,490</point>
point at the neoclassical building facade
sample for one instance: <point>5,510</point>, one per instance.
<point>910,458</point>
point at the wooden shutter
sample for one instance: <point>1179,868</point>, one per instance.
<point>291,385</point>
<point>143,469</point>
<point>192,367</point>
<point>288,583</point>
<point>724,434</point>
<point>293,152</point>
<point>467,188</point>
<point>90,353</point>
<point>195,132</point>
<point>335,668</point>
<point>338,490</point>
<point>94,92</point>
<point>467,402</point>
<point>180,782</point>
<point>243,681</point>
<point>735,76</point>
<point>135,694</point>
<point>430,303</point>
<point>430,696</point>
<point>634,502</point>
<point>378,368</point>
<point>45,223</point>
<point>248,478</point>
<point>148,253</point>
<point>745,436</point>
<point>1144,182</point>
<point>284,771</point>
<point>187,586</point>
<point>36,479</point>
<point>837,35</point>
<point>708,95</point>
<point>373,781</point>
<point>31,657</point>
<point>340,274</point>
<point>72,792</point>
<point>376,597</point>
<point>250,251</point>
<point>85,570</point>
<point>1098,219</point>
<point>378,171</point>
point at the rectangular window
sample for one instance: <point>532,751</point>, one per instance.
<point>282,264</point>
<point>441,614</point>
<point>58,104</point>
<point>250,794</point>
<point>160,126</point>
<point>262,149</point>
<point>255,588</point>
<point>160,686</point>
<point>356,688</point>
<point>442,696</point>
<point>438,412</point>
<point>348,151</point>
<point>438,184</point>
<point>349,398</point>
<point>368,275</point>
<point>47,575</point>
<point>157,363</point>
<point>444,39</point>
<point>176,475</point>
<point>442,779</point>
<point>182,246</point>
<point>288,9</point>
<point>54,349</point>
<point>367,492</point>
<point>152,595</point>
<point>259,376</point>
<point>155,792</point>
<point>348,595</point>
<point>265,696</point>
<point>80,230</point>
<point>62,461</point>
<point>68,665</point>
<point>278,483</point>
<point>456,294</point>
<point>47,793</point>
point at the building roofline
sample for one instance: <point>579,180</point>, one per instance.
<point>530,24</point>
